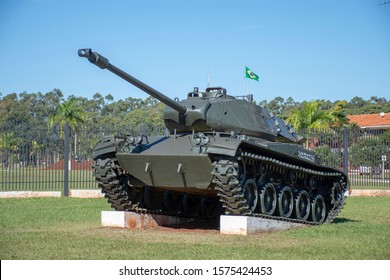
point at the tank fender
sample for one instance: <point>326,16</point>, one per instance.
<point>108,146</point>
<point>226,147</point>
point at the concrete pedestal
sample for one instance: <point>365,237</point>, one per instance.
<point>244,225</point>
<point>133,220</point>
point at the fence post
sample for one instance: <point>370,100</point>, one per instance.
<point>66,160</point>
<point>345,149</point>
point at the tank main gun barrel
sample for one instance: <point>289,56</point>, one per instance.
<point>103,63</point>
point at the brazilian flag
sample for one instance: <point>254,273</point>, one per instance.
<point>249,74</point>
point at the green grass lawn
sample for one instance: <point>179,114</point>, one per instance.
<point>69,228</point>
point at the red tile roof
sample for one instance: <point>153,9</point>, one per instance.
<point>371,120</point>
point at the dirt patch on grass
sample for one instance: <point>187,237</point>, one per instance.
<point>75,165</point>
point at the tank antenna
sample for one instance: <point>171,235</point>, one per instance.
<point>208,77</point>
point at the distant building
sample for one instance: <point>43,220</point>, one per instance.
<point>371,121</point>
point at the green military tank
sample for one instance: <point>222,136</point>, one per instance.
<point>221,155</point>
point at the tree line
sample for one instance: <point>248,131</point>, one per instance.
<point>45,108</point>
<point>53,108</point>
<point>355,106</point>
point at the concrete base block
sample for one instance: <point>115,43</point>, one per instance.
<point>28,194</point>
<point>245,225</point>
<point>133,220</point>
<point>86,193</point>
<point>370,193</point>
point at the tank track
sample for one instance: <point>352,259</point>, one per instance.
<point>230,185</point>
<point>230,175</point>
<point>110,178</point>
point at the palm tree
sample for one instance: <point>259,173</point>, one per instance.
<point>68,113</point>
<point>8,149</point>
<point>309,116</point>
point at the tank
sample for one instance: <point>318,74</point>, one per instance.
<point>220,155</point>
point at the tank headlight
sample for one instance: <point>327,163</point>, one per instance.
<point>131,139</point>
<point>138,139</point>
<point>197,139</point>
<point>205,140</point>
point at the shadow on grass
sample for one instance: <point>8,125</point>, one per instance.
<point>204,225</point>
<point>344,220</point>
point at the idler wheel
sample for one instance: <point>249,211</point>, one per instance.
<point>302,205</point>
<point>318,209</point>
<point>251,195</point>
<point>336,194</point>
<point>285,202</point>
<point>268,199</point>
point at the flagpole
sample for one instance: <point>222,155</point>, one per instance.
<point>246,85</point>
<point>249,74</point>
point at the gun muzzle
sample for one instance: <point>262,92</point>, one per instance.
<point>94,58</point>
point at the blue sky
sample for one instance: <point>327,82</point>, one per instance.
<point>334,49</point>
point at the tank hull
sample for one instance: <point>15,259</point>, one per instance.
<point>186,173</point>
